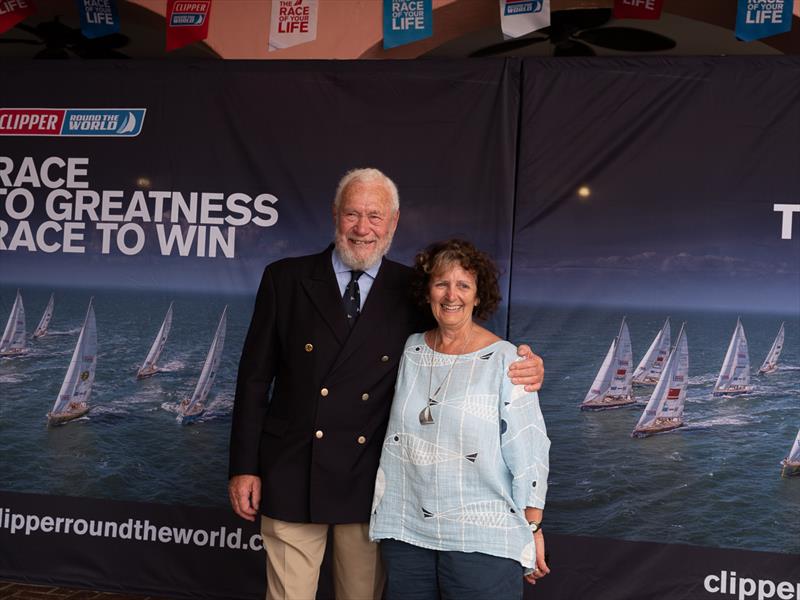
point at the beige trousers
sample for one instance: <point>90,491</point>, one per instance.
<point>294,556</point>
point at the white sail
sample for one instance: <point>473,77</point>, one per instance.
<point>771,362</point>
<point>149,366</point>
<point>129,124</point>
<point>794,454</point>
<point>209,372</point>
<point>44,323</point>
<point>664,410</point>
<point>603,377</point>
<point>73,398</point>
<point>612,384</point>
<point>13,340</point>
<point>652,363</point>
<point>734,377</point>
<point>621,378</point>
<point>790,466</point>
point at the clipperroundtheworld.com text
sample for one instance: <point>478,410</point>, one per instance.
<point>744,588</point>
<point>131,529</point>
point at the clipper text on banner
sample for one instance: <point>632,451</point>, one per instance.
<point>521,17</point>
<point>292,22</point>
<point>98,17</point>
<point>12,13</point>
<point>406,21</point>
<point>187,22</point>
<point>756,19</point>
<point>638,9</point>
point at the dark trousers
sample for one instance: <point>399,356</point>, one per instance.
<point>414,573</point>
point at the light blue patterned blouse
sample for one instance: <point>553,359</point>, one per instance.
<point>463,482</point>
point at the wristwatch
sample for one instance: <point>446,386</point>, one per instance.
<point>535,526</point>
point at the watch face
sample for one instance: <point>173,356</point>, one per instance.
<point>534,527</point>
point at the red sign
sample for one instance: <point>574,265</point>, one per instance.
<point>187,22</point>
<point>638,9</point>
<point>31,121</point>
<point>14,11</point>
<point>674,393</point>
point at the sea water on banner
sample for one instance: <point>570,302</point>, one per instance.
<point>125,447</point>
<point>693,484</point>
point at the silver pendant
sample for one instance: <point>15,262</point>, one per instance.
<point>425,416</point>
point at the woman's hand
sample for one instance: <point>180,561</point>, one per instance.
<point>541,569</point>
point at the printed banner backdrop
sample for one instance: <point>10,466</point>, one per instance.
<point>646,191</point>
<point>176,184</point>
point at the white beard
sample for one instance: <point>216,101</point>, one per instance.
<point>361,264</point>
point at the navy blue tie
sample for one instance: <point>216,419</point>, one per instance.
<point>352,298</point>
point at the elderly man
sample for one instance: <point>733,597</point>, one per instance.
<point>327,334</point>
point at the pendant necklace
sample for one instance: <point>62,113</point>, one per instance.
<point>425,416</point>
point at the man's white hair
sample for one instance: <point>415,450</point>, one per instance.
<point>367,176</point>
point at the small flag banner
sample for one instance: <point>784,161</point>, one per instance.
<point>293,22</point>
<point>98,17</point>
<point>14,11</point>
<point>756,19</point>
<point>638,9</point>
<point>187,22</point>
<point>520,17</point>
<point>406,21</point>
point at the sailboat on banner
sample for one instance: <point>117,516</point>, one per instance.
<point>790,466</point>
<point>73,398</point>
<point>191,409</point>
<point>651,365</point>
<point>612,384</point>
<point>771,362</point>
<point>664,411</point>
<point>13,341</point>
<point>44,323</point>
<point>734,377</point>
<point>149,366</point>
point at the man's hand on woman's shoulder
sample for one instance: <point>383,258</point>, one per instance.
<point>529,371</point>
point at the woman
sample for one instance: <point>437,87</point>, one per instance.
<point>463,473</point>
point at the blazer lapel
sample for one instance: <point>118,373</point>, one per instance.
<point>323,291</point>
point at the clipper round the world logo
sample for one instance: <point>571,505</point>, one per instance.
<point>518,7</point>
<point>191,14</point>
<point>75,122</point>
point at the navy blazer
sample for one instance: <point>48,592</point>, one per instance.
<point>317,443</point>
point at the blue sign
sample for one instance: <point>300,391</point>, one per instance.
<point>756,19</point>
<point>406,21</point>
<point>103,122</point>
<point>518,7</point>
<point>98,17</point>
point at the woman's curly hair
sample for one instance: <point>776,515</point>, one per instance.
<point>440,255</point>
